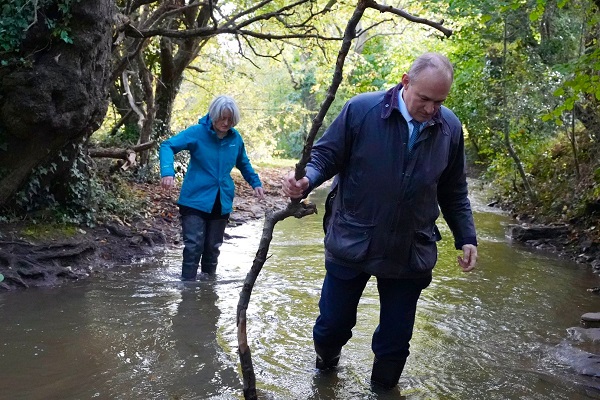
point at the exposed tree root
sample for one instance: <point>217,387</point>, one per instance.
<point>24,263</point>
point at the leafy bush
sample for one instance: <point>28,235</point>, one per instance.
<point>18,16</point>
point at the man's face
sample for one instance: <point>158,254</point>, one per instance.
<point>424,96</point>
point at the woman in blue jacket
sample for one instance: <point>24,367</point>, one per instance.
<point>206,197</point>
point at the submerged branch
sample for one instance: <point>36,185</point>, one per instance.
<point>297,210</point>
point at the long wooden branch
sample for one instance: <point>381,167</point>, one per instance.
<point>120,123</point>
<point>296,209</point>
<point>437,25</point>
<point>134,107</point>
<point>349,35</point>
<point>208,32</point>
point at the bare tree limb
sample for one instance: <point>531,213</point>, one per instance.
<point>132,104</point>
<point>273,14</point>
<point>298,210</point>
<point>125,60</point>
<point>121,154</point>
<point>295,83</point>
<point>172,12</point>
<point>256,53</point>
<point>349,34</point>
<point>294,208</point>
<point>230,28</point>
<point>211,31</point>
<point>194,68</point>
<point>35,18</point>
<point>120,123</point>
<point>250,10</point>
<point>138,3</point>
<point>410,17</point>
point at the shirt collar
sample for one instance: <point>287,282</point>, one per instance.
<point>402,106</point>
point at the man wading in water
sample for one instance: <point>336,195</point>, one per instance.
<point>398,158</point>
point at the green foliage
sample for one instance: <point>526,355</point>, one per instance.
<point>91,196</point>
<point>117,196</point>
<point>564,194</point>
<point>498,90</point>
<point>35,195</point>
<point>126,136</point>
<point>583,82</point>
<point>372,67</point>
<point>18,16</point>
<point>510,56</point>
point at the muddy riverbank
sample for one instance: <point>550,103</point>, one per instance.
<point>33,255</point>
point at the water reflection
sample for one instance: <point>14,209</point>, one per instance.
<point>502,332</point>
<point>194,332</point>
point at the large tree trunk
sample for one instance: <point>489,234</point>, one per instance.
<point>58,100</point>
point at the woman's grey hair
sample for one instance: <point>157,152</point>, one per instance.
<point>221,104</point>
<point>431,60</point>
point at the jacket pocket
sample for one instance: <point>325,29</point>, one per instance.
<point>349,238</point>
<point>423,250</point>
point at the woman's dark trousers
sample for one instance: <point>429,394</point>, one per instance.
<point>390,343</point>
<point>202,239</point>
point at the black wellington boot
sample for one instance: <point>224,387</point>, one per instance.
<point>327,358</point>
<point>214,239</point>
<point>386,374</point>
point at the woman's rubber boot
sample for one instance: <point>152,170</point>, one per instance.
<point>215,228</point>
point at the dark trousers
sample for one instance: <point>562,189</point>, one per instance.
<point>202,239</point>
<point>338,306</point>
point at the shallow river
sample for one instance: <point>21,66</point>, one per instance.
<point>506,331</point>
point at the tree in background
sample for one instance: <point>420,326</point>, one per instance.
<point>134,52</point>
<point>527,90</point>
<point>157,64</point>
<point>62,58</point>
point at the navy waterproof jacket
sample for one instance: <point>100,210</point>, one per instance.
<point>381,211</point>
<point>211,162</point>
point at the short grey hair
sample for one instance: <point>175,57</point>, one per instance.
<point>221,104</point>
<point>431,60</point>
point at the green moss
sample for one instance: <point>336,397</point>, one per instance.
<point>49,231</point>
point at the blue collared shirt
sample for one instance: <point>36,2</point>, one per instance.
<point>407,115</point>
